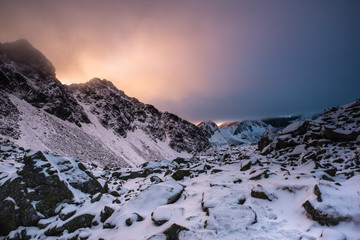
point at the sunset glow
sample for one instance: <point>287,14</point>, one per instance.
<point>202,61</point>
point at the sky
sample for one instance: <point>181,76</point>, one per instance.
<point>203,60</point>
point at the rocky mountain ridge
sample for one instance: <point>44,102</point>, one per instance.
<point>39,112</point>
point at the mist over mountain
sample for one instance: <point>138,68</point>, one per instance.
<point>93,122</point>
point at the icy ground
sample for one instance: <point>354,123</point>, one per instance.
<point>231,194</point>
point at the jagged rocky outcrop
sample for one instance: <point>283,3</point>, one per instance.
<point>330,144</point>
<point>34,184</point>
<point>338,125</point>
<point>37,111</point>
<point>26,73</point>
<point>124,114</point>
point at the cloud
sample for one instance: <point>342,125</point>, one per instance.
<point>202,60</point>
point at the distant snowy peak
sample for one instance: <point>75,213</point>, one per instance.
<point>208,128</point>
<point>229,124</point>
<point>234,133</point>
<point>250,126</point>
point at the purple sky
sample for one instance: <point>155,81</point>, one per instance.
<point>218,60</point>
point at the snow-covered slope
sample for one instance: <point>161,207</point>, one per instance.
<point>222,195</point>
<point>234,133</point>
<point>92,122</point>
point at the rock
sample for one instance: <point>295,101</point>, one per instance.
<point>259,192</point>
<point>106,213</point>
<point>115,193</point>
<point>173,231</point>
<point>266,139</point>
<point>325,177</point>
<point>215,171</point>
<point>317,193</point>
<point>157,237</point>
<point>19,235</point>
<point>155,179</point>
<point>180,160</point>
<point>109,225</point>
<point>82,221</point>
<point>65,216</point>
<point>245,166</point>
<point>230,218</point>
<point>10,218</point>
<point>339,135</point>
<point>323,218</point>
<point>165,213</point>
<point>180,174</point>
<point>135,217</point>
<point>54,231</point>
<point>96,197</point>
<point>331,172</point>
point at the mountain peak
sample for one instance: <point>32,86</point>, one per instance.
<point>22,52</point>
<point>96,83</point>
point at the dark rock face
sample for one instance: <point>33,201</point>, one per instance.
<point>38,189</point>
<point>26,73</point>
<point>122,114</point>
<point>106,213</point>
<point>135,217</point>
<point>173,231</point>
<point>336,125</point>
<point>49,191</point>
<point>180,174</point>
<point>266,139</point>
<point>323,218</point>
<point>9,117</point>
<point>82,221</point>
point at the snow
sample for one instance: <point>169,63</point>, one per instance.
<point>91,143</point>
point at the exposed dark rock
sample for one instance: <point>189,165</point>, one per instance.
<point>82,221</point>
<point>323,218</point>
<point>180,160</point>
<point>67,215</point>
<point>109,225</point>
<point>172,233</point>
<point>259,192</point>
<point>331,172</point>
<point>106,213</point>
<point>317,192</point>
<point>246,166</point>
<point>155,179</point>
<point>180,174</point>
<point>333,134</point>
<point>135,217</point>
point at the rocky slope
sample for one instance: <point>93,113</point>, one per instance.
<point>237,193</point>
<point>93,122</point>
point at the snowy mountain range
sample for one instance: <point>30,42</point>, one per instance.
<point>299,183</point>
<point>92,122</point>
